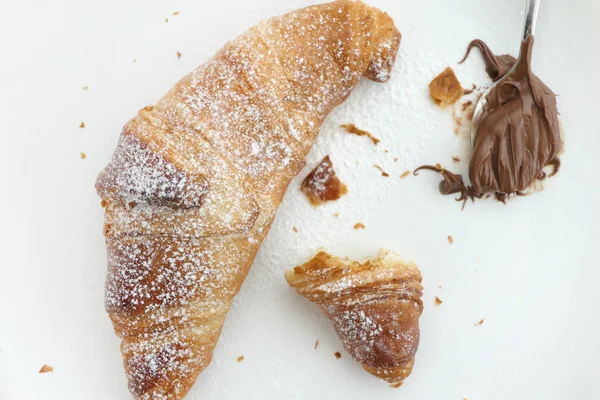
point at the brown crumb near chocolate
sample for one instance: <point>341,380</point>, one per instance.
<point>178,55</point>
<point>359,225</point>
<point>383,173</point>
<point>322,184</point>
<point>240,359</point>
<point>405,174</point>
<point>82,155</point>
<point>86,87</point>
<point>467,91</point>
<point>316,344</point>
<point>351,128</point>
<point>438,301</point>
<point>480,323</point>
<point>397,385</point>
<point>82,125</point>
<point>337,355</point>
<point>456,159</point>
<point>176,13</point>
<point>450,239</point>
<point>45,369</point>
<point>466,105</point>
<point>295,229</point>
<point>445,89</point>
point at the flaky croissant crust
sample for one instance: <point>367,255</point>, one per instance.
<point>195,181</point>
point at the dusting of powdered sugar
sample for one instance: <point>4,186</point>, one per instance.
<point>239,127</point>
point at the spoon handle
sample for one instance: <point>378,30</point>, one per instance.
<point>531,13</point>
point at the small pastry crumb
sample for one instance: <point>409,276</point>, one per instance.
<point>445,89</point>
<point>397,385</point>
<point>45,369</point>
<point>295,229</point>
<point>167,20</point>
<point>405,174</point>
<point>337,355</point>
<point>351,128</point>
<point>337,214</point>
<point>176,13</point>
<point>316,344</point>
<point>82,155</point>
<point>450,239</point>
<point>86,87</point>
<point>479,323</point>
<point>396,159</point>
<point>438,301</point>
<point>240,359</point>
<point>383,173</point>
<point>456,159</point>
<point>82,125</point>
<point>466,105</point>
<point>359,225</point>
<point>178,54</point>
<point>322,184</point>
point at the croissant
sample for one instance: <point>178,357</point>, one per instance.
<point>374,306</point>
<point>195,181</point>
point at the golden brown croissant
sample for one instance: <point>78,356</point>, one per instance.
<point>195,181</point>
<point>374,306</point>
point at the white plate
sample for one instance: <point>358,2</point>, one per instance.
<point>530,269</point>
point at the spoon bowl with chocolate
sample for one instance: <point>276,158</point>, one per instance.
<point>516,133</point>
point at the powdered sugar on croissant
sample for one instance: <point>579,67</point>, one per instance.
<point>374,306</point>
<point>196,180</point>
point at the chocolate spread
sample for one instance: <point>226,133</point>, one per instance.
<point>518,133</point>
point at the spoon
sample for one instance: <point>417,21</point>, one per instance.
<point>531,12</point>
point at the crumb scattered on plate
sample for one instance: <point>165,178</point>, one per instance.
<point>456,159</point>
<point>337,355</point>
<point>82,125</point>
<point>316,344</point>
<point>167,20</point>
<point>295,229</point>
<point>176,13</point>
<point>445,89</point>
<point>82,155</point>
<point>450,239</point>
<point>351,128</point>
<point>240,359</point>
<point>359,225</point>
<point>86,87</point>
<point>178,54</point>
<point>395,159</point>
<point>480,323</point>
<point>337,214</point>
<point>46,368</point>
<point>383,173</point>
<point>322,184</point>
<point>405,174</point>
<point>438,301</point>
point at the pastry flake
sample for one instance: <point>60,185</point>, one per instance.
<point>322,184</point>
<point>445,89</point>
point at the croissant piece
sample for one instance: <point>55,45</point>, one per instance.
<point>374,306</point>
<point>195,181</point>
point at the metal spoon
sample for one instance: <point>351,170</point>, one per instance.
<point>531,12</point>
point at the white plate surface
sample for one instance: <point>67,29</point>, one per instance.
<point>530,269</point>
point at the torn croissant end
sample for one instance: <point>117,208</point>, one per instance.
<point>374,306</point>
